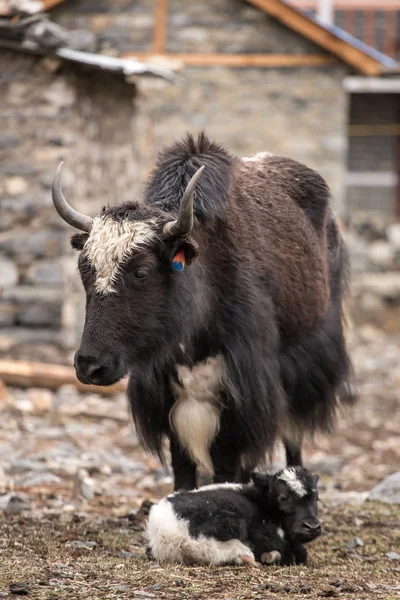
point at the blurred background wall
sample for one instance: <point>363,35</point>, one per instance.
<point>251,81</point>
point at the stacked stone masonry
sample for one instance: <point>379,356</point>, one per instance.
<point>108,132</point>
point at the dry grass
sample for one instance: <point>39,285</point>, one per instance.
<point>38,552</point>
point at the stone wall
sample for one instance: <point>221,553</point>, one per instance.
<point>46,116</point>
<point>109,132</point>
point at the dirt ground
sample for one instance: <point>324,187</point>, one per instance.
<point>64,540</point>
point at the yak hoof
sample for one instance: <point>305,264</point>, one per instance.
<point>249,562</point>
<point>271,558</point>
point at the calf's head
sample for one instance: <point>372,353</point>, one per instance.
<point>293,494</point>
<point>128,260</point>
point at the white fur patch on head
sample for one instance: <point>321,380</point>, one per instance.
<point>289,476</point>
<point>110,243</point>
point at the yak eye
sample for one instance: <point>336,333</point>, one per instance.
<point>282,498</point>
<point>141,273</point>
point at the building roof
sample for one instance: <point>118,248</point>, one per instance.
<point>363,58</point>
<point>8,7</point>
<point>351,4</point>
<point>344,46</point>
<point>36,34</point>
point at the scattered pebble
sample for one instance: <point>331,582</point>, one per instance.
<point>393,555</point>
<point>80,544</point>
<point>20,588</point>
<point>354,543</point>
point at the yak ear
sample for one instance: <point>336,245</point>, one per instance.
<point>78,240</point>
<point>179,253</point>
<point>260,480</point>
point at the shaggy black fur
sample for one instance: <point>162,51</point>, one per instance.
<point>266,291</point>
<point>254,514</point>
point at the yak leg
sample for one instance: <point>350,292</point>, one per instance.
<point>183,467</point>
<point>226,463</point>
<point>293,453</point>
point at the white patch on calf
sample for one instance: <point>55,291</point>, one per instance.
<point>110,243</point>
<point>169,540</point>
<point>195,415</point>
<point>281,533</point>
<point>289,476</point>
<point>219,486</point>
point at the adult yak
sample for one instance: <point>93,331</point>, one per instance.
<point>221,295</point>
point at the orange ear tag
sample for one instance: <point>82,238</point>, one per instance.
<point>178,262</point>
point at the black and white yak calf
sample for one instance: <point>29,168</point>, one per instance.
<point>267,520</point>
<point>221,296</point>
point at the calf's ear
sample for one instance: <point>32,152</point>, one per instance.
<point>260,480</point>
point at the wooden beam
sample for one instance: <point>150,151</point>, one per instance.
<point>313,31</point>
<point>30,374</point>
<point>160,26</point>
<point>239,60</point>
<point>374,130</point>
<point>51,3</point>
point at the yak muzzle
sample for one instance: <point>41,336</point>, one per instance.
<point>98,370</point>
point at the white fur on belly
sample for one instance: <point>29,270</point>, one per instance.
<point>195,415</point>
<point>170,541</point>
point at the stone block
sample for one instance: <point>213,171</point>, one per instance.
<point>41,243</point>
<point>15,186</point>
<point>9,141</point>
<point>393,234</point>
<point>381,254</point>
<point>8,273</point>
<point>18,169</point>
<point>46,272</point>
<point>31,294</point>
<point>8,313</point>
<point>48,315</point>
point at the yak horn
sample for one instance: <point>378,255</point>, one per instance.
<point>184,224</point>
<point>66,212</point>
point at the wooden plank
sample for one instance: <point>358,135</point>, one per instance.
<point>51,3</point>
<point>239,60</point>
<point>301,24</point>
<point>374,130</point>
<point>160,26</point>
<point>30,374</point>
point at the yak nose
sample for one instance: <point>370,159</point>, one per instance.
<point>311,528</point>
<point>98,370</point>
